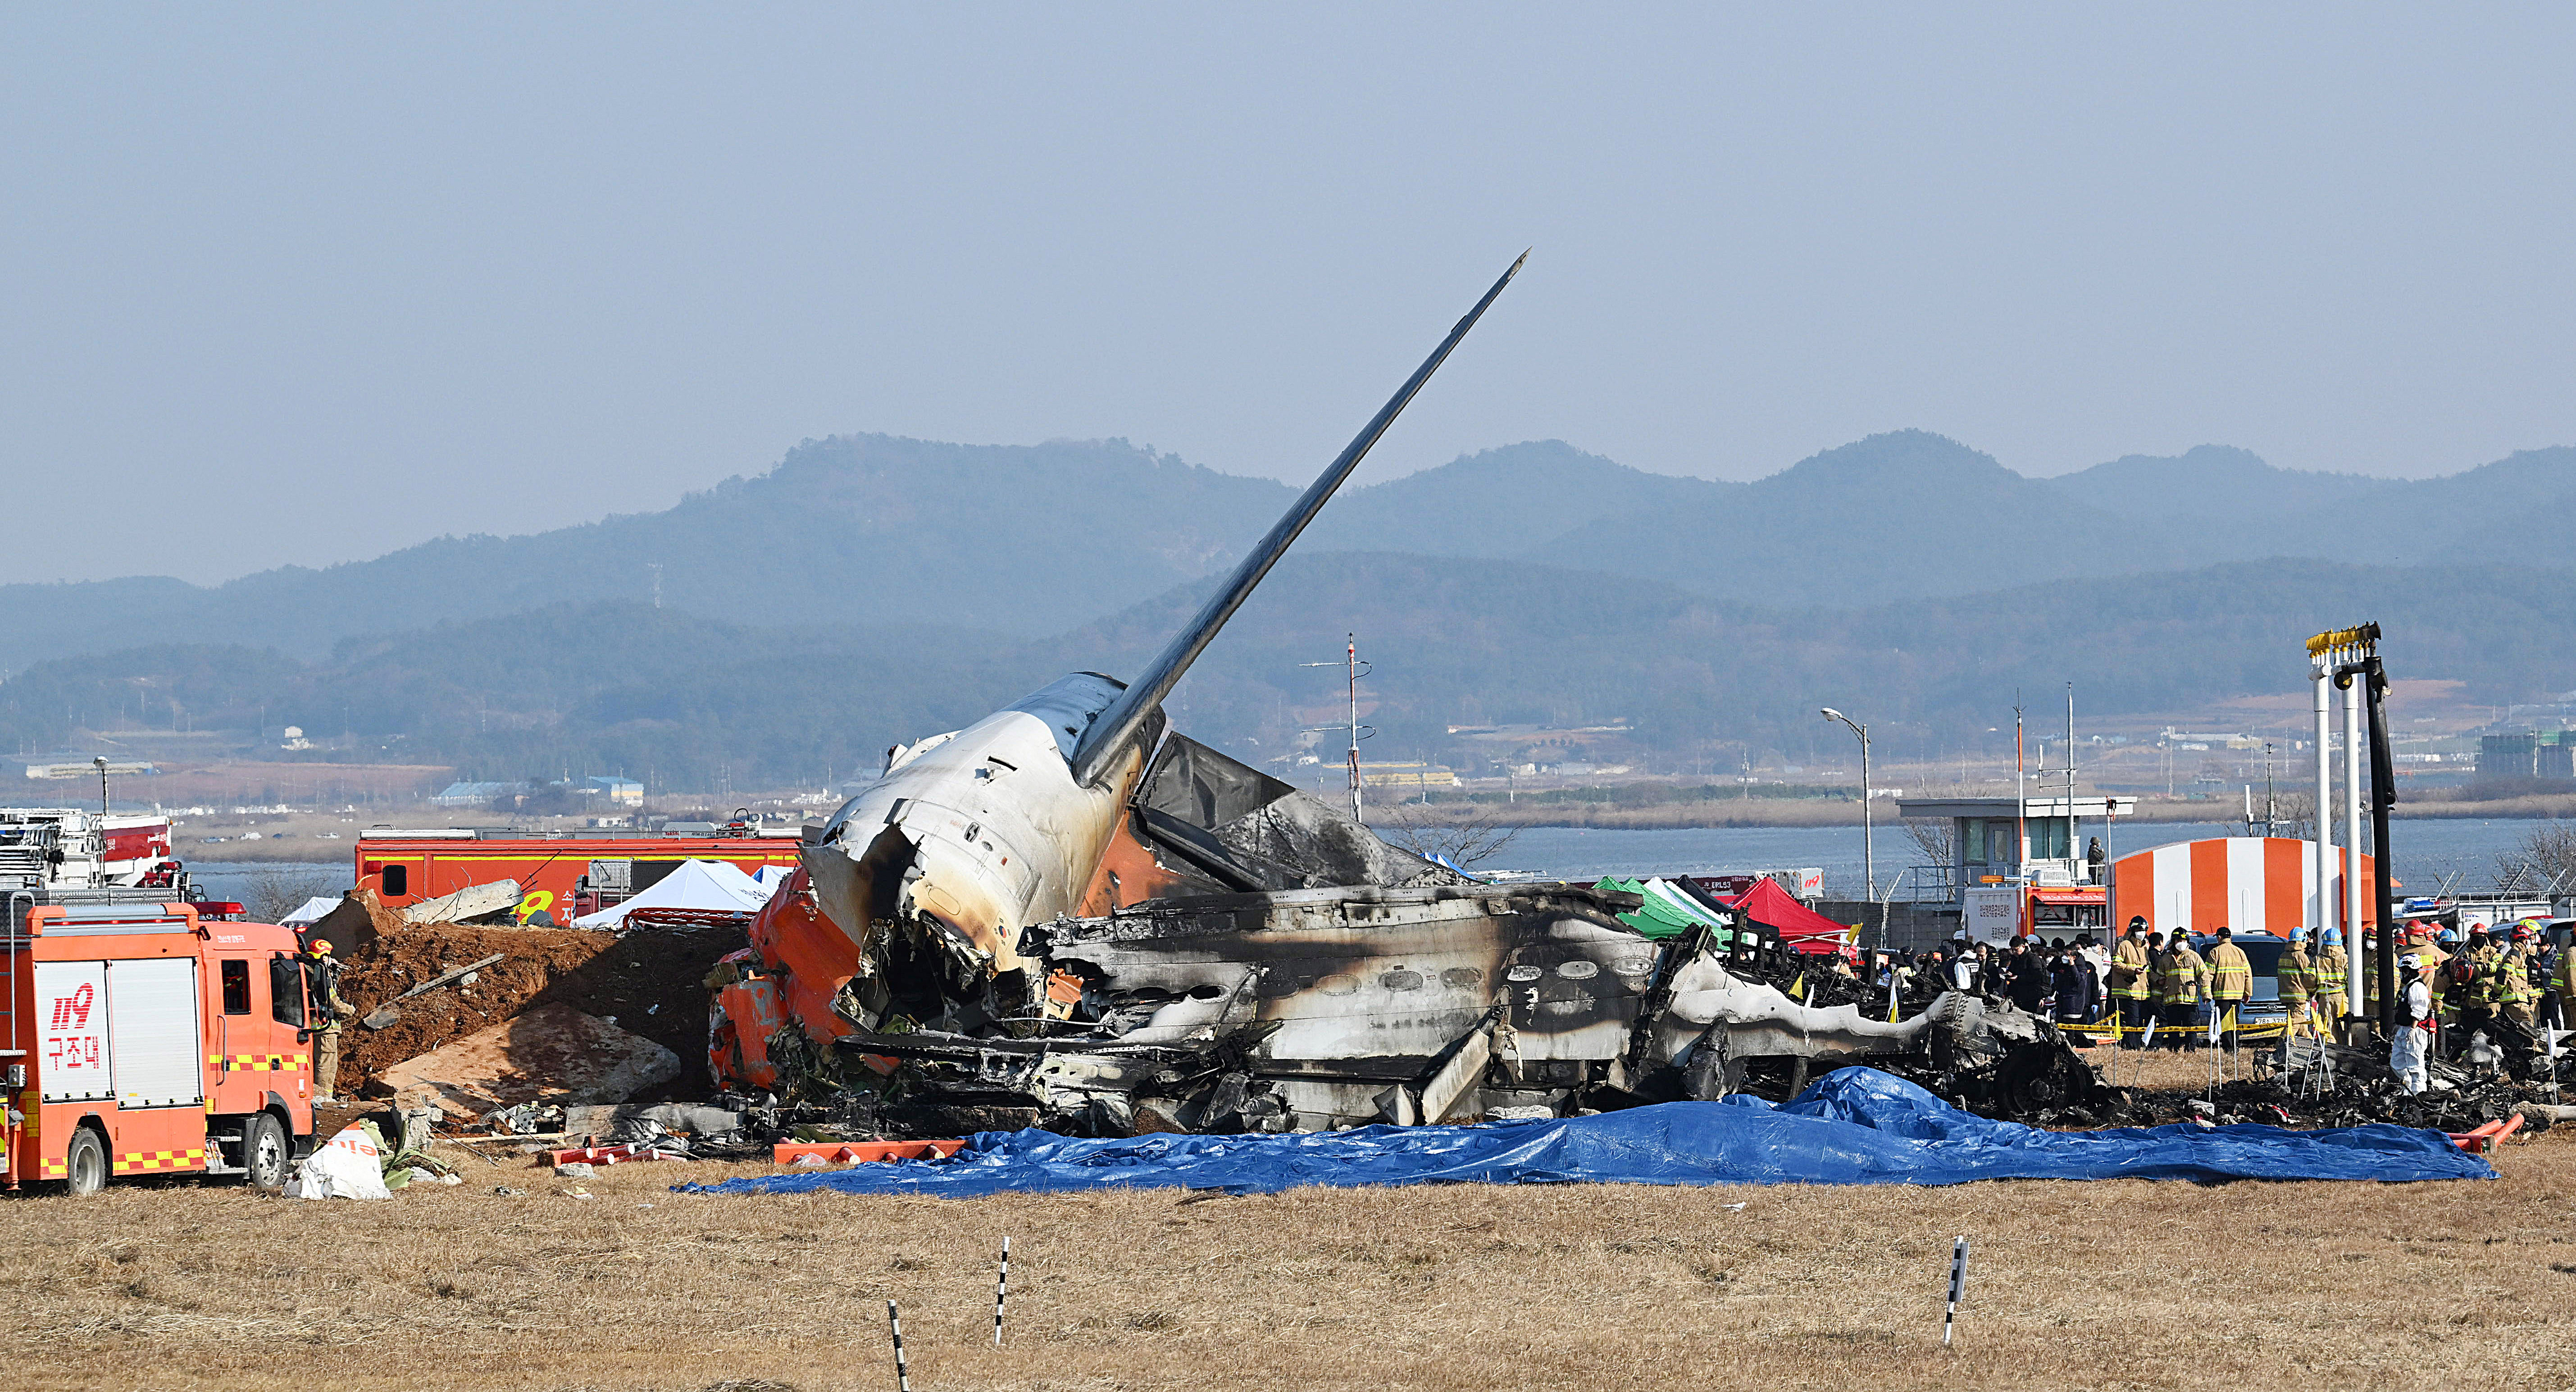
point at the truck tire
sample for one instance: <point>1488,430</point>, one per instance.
<point>266,1155</point>
<point>85,1163</point>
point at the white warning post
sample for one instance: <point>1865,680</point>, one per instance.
<point>1958,1287</point>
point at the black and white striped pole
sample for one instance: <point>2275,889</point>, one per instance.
<point>1001,1292</point>
<point>902,1375</point>
<point>1958,1288</point>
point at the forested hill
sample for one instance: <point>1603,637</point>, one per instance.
<point>619,685</point>
<point>872,530</point>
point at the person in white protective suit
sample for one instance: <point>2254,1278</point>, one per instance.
<point>2415,1028</point>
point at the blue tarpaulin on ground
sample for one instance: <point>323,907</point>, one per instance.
<point>1855,1126</point>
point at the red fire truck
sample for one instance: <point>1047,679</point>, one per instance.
<point>561,876</point>
<point>144,1039</point>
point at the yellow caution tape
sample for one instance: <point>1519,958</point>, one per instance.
<point>2161,1030</point>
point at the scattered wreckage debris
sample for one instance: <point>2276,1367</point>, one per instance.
<point>1294,972</point>
<point>358,1162</point>
<point>2310,1083</point>
<point>387,1013</point>
<point>563,1035</point>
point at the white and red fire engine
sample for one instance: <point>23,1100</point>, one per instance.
<point>67,849</point>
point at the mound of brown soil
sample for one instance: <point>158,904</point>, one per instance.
<point>647,982</point>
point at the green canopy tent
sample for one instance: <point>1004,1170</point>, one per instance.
<point>1669,911</point>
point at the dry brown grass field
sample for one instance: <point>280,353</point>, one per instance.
<point>2125,1284</point>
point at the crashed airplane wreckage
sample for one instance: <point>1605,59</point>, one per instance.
<point>1063,915</point>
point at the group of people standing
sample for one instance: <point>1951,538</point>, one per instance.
<point>2162,984</point>
<point>2149,987</point>
<point>2051,977</point>
<point>2456,988</point>
<point>2155,987</point>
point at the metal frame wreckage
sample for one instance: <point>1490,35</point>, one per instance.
<point>1063,915</point>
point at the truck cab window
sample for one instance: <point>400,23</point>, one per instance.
<point>236,978</point>
<point>286,990</point>
<point>397,879</point>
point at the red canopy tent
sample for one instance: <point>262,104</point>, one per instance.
<point>1802,928</point>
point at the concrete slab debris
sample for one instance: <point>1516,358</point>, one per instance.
<point>471,902</point>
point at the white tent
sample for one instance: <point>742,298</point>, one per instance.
<point>312,910</point>
<point>709,885</point>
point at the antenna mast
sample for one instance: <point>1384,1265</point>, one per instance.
<point>2021,802</point>
<point>1358,814</point>
<point>1351,665</point>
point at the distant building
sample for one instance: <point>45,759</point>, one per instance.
<point>2041,841</point>
<point>622,791</point>
<point>476,794</point>
<point>2204,739</point>
<point>2533,754</point>
<point>2508,756</point>
<point>1407,775</point>
<point>88,768</point>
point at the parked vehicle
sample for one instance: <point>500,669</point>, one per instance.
<point>144,1038</point>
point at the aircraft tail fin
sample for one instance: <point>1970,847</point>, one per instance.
<point>1114,726</point>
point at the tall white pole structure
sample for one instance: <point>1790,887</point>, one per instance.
<point>1358,813</point>
<point>1868,826</point>
<point>2321,906</point>
<point>2353,695</point>
<point>2021,805</point>
<point>1351,663</point>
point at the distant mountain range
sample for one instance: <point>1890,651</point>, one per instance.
<point>1031,540</point>
<point>870,590</point>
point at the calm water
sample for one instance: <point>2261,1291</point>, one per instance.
<point>2426,851</point>
<point>239,881</point>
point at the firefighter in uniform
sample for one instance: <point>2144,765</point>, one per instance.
<point>2297,978</point>
<point>2459,986</point>
<point>2331,987</point>
<point>2178,987</point>
<point>2231,981</point>
<point>2370,974</point>
<point>2564,983</point>
<point>2130,968</point>
<point>322,987</point>
<point>2511,995</point>
<point>2470,981</point>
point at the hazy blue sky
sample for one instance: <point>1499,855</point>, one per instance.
<point>290,284</point>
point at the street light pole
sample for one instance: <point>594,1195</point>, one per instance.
<point>1868,822</point>
<point>101,761</point>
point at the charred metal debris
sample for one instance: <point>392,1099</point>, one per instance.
<point>2307,1083</point>
<point>1285,969</point>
